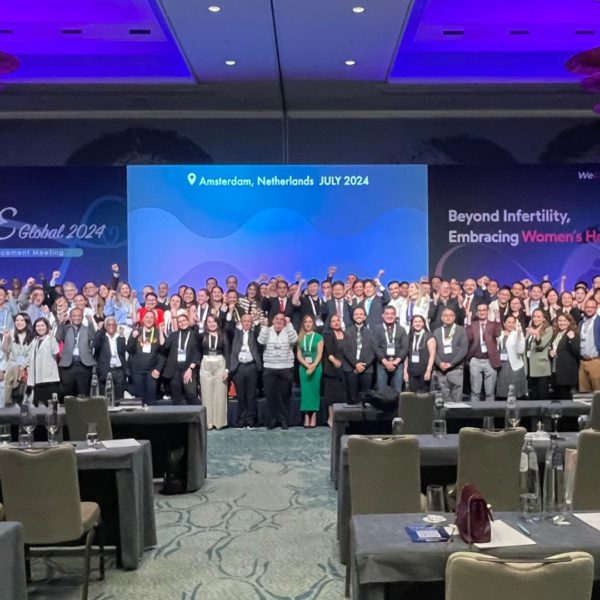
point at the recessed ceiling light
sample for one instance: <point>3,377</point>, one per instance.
<point>230,63</point>
<point>350,63</point>
<point>358,9</point>
<point>214,8</point>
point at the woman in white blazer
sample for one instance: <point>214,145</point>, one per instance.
<point>42,366</point>
<point>511,345</point>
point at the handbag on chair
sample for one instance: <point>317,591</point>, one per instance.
<point>473,516</point>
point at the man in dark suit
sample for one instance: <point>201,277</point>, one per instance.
<point>245,364</point>
<point>337,305</point>
<point>442,300</point>
<point>483,354</point>
<point>279,304</point>
<point>76,361</point>
<point>359,356</point>
<point>391,347</point>
<point>109,351</point>
<point>310,303</point>
<point>372,303</point>
<point>470,301</point>
<point>183,352</point>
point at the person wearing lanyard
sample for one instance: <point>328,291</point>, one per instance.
<point>337,305</point>
<point>8,309</point>
<point>418,368</point>
<point>589,367</point>
<point>202,310</point>
<point>537,343</point>
<point>214,372</point>
<point>16,349</point>
<point>310,355</point>
<point>451,350</point>
<point>483,355</point>
<point>42,370</point>
<point>372,303</point>
<point>170,316</point>
<point>310,303</point>
<point>183,353</point>
<point>565,351</point>
<point>145,358</point>
<point>359,356</point>
<point>391,347</point>
<point>511,345</point>
<point>76,360</point>
<point>109,352</point>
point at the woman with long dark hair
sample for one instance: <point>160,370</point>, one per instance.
<point>42,367</point>
<point>15,345</point>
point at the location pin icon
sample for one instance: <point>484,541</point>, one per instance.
<point>192,178</point>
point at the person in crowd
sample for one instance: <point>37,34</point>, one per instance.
<point>589,330</point>
<point>565,352</point>
<point>183,353</point>
<point>534,300</point>
<point>146,359</point>
<point>151,304</point>
<point>451,346</point>
<point>416,304</point>
<point>538,337</point>
<point>170,315</point>
<point>42,368</point>
<point>337,305</point>
<point>518,312</point>
<point>580,293</point>
<point>326,289</point>
<point>310,355</point>
<point>251,303</point>
<point>279,304</point>
<point>357,294</point>
<point>551,304</point>
<point>231,283</point>
<point>278,340</point>
<point>396,299</point>
<point>245,365</point>
<point>201,310</point>
<point>231,311</point>
<point>214,372</point>
<point>511,347</point>
<point>8,310</point>
<point>80,302</point>
<point>69,292</point>
<point>189,298</point>
<point>470,300</point>
<point>359,356</point>
<point>418,368</point>
<point>32,300</point>
<point>76,359</point>
<point>210,283</point>
<point>310,303</point>
<point>442,300</point>
<point>334,384</point>
<point>567,306</point>
<point>499,308</point>
<point>109,353</point>
<point>15,346</point>
<point>216,301</point>
<point>373,303</point>
<point>483,355</point>
<point>390,343</point>
<point>162,296</point>
<point>122,305</point>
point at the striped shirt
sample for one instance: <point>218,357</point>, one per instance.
<point>278,352</point>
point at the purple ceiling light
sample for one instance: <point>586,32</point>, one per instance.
<point>587,63</point>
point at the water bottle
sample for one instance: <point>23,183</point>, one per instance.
<point>554,479</point>
<point>531,504</point>
<point>439,416</point>
<point>95,386</point>
<point>109,390</point>
<point>511,416</point>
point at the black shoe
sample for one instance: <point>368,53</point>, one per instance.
<point>271,426</point>
<point>284,426</point>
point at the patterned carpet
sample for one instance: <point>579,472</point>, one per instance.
<point>261,528</point>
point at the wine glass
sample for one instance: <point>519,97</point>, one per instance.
<point>52,426</point>
<point>28,421</point>
<point>513,416</point>
<point>556,412</point>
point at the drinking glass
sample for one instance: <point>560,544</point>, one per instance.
<point>583,422</point>
<point>556,412</point>
<point>5,435</point>
<point>435,504</point>
<point>488,424</point>
<point>530,506</point>
<point>513,417</point>
<point>28,422</point>
<point>52,426</point>
<point>439,428</point>
<point>92,435</point>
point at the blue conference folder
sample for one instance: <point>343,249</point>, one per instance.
<point>426,533</point>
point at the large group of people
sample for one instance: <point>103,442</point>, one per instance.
<point>336,338</point>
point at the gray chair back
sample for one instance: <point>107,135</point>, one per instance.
<point>40,489</point>
<point>595,412</point>
<point>491,461</point>
<point>82,411</point>
<point>416,411</point>
<point>385,475</point>
<point>586,491</point>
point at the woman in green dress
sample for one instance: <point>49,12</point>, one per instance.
<point>310,353</point>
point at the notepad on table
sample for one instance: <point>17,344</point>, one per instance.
<point>591,519</point>
<point>126,443</point>
<point>456,405</point>
<point>504,536</point>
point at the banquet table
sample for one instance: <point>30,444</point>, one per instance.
<point>120,481</point>
<point>439,457</point>
<point>354,418</point>
<point>166,427</point>
<point>383,555</point>
<point>12,562</point>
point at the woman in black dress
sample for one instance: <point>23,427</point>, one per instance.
<point>421,354</point>
<point>564,355</point>
<point>333,375</point>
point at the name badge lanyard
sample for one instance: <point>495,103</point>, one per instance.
<point>308,350</point>
<point>391,341</point>
<point>202,314</point>
<point>417,342</point>
<point>447,341</point>
<point>144,339</point>
<point>210,342</point>
<point>181,349</point>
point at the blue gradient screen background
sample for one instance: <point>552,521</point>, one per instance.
<point>182,233</point>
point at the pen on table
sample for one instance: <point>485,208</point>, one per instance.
<point>524,529</point>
